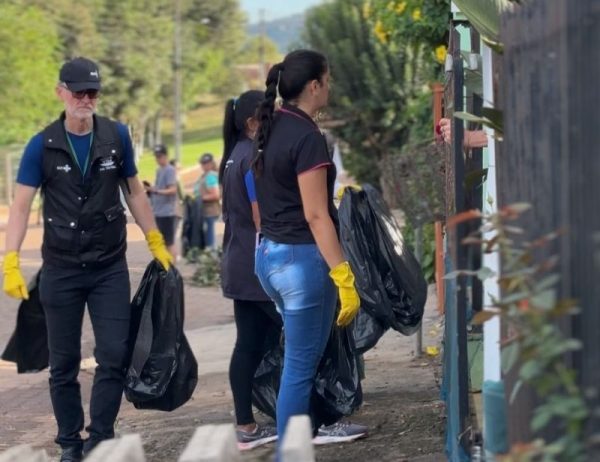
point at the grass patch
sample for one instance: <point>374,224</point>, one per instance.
<point>202,133</point>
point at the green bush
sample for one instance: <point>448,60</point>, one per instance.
<point>428,246</point>
<point>208,272</point>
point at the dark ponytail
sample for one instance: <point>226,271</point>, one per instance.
<point>237,112</point>
<point>289,78</point>
<point>265,116</point>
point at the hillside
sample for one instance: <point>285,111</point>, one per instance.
<point>285,32</point>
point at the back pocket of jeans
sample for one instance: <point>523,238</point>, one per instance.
<point>278,257</point>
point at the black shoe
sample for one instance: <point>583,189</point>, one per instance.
<point>71,454</point>
<point>89,445</point>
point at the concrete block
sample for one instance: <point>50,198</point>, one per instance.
<point>297,443</point>
<point>24,453</point>
<point>212,443</point>
<point>126,449</point>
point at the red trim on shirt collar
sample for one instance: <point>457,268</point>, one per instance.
<point>299,113</point>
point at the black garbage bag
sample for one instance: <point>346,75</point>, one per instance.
<point>389,279</point>
<point>366,331</point>
<point>337,391</point>
<point>163,372</point>
<point>28,345</point>
<point>267,378</point>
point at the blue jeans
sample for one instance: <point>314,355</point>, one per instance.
<point>209,233</point>
<point>296,277</point>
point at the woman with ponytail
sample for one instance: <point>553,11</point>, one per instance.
<point>256,319</point>
<point>299,260</point>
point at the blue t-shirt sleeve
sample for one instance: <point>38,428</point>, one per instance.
<point>30,169</point>
<point>129,168</point>
<point>212,180</point>
<point>250,189</point>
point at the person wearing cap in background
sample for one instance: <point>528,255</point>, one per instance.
<point>164,197</point>
<point>81,161</point>
<point>207,188</point>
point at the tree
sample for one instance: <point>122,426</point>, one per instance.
<point>138,38</point>
<point>371,85</point>
<point>75,25</point>
<point>213,37</point>
<point>250,53</point>
<point>29,65</point>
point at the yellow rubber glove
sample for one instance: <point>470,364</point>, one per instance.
<point>14,283</point>
<point>156,244</point>
<point>340,192</point>
<point>343,278</point>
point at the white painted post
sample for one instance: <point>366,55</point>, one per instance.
<point>126,449</point>
<point>24,453</point>
<point>212,443</point>
<point>491,329</point>
<point>297,444</point>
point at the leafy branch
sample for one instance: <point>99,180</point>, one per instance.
<point>529,307</point>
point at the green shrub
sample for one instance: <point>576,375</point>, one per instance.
<point>208,271</point>
<point>428,246</point>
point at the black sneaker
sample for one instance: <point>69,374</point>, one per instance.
<point>260,435</point>
<point>340,432</point>
<point>71,454</point>
<point>89,445</point>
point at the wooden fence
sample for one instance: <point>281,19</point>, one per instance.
<point>551,158</point>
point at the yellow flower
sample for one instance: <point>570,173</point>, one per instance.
<point>440,53</point>
<point>380,32</point>
<point>391,5</point>
<point>366,12</point>
<point>416,14</point>
<point>400,7</point>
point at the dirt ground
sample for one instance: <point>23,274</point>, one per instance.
<point>401,407</point>
<point>401,393</point>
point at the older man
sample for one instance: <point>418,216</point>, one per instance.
<point>81,161</point>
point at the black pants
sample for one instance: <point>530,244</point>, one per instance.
<point>64,293</point>
<point>258,327</point>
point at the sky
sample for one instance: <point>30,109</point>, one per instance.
<point>275,8</point>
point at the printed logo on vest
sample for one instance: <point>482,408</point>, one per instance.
<point>108,163</point>
<point>65,168</point>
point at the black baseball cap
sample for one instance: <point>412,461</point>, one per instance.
<point>206,158</point>
<point>80,74</point>
<point>160,150</point>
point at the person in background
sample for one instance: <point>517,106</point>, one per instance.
<point>164,197</point>
<point>256,318</point>
<point>207,188</point>
<point>81,161</point>
<point>299,260</point>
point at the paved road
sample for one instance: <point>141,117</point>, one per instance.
<point>25,410</point>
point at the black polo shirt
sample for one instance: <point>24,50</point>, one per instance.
<point>295,146</point>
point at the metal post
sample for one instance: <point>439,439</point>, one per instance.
<point>177,80</point>
<point>261,47</point>
<point>438,94</point>
<point>419,257</point>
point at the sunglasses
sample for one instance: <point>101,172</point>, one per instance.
<point>91,94</point>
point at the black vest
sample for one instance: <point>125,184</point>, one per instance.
<point>84,221</point>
